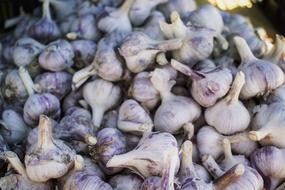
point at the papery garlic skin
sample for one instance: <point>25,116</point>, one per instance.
<point>151,27</point>
<point>141,10</point>
<point>106,96</point>
<point>207,87</point>
<point>267,161</point>
<point>275,55</point>
<point>174,111</point>
<point>133,118</point>
<point>57,56</point>
<point>110,142</point>
<point>229,108</point>
<point>278,94</point>
<point>261,76</point>
<point>143,90</point>
<point>38,104</point>
<point>110,119</point>
<point>151,183</point>
<point>51,158</point>
<point>126,182</point>
<point>148,158</point>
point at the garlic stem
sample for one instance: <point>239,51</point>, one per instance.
<point>72,35</point>
<point>45,139</point>
<point>229,177</point>
<point>3,124</point>
<point>139,127</point>
<point>97,116</point>
<point>82,75</point>
<point>186,70</point>
<point>227,149</point>
<point>78,163</point>
<point>278,50</point>
<point>126,6</point>
<point>188,130</point>
<point>244,50</point>
<point>46,10</point>
<point>167,45</point>
<point>161,59</point>
<point>26,79</point>
<point>90,140</point>
<point>16,163</point>
<point>239,137</point>
<point>169,172</point>
<point>212,166</point>
<point>180,26</point>
<point>12,21</point>
<point>222,41</point>
<point>83,103</point>
<point>257,135</point>
<point>186,161</point>
<point>233,95</point>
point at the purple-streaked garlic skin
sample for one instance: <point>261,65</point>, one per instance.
<point>78,111</point>
<point>57,56</point>
<point>38,104</point>
<point>110,119</point>
<point>151,183</point>
<point>56,83</point>
<point>13,88</point>
<point>71,99</point>
<point>151,27</point>
<point>84,51</point>
<point>110,142</point>
<point>127,182</point>
<point>267,162</point>
<point>143,91</point>
<point>197,184</point>
<point>91,167</point>
<point>8,43</point>
<point>83,180</point>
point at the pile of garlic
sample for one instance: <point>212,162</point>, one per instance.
<point>139,95</point>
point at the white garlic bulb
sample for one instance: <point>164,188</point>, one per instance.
<point>278,95</point>
<point>197,42</point>
<point>235,116</point>
<point>261,76</point>
<point>175,112</point>
<point>206,87</point>
<point>133,118</point>
<point>151,27</point>
<point>101,95</point>
<point>268,125</point>
<point>209,142</point>
<point>148,158</point>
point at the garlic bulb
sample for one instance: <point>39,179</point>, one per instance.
<point>275,55</point>
<point>261,76</point>
<point>38,104</point>
<point>67,6</point>
<point>84,52</point>
<point>140,51</point>
<point>207,87</point>
<point>268,125</point>
<point>8,44</point>
<point>197,42</point>
<point>208,16</point>
<point>106,63</point>
<point>91,167</point>
<point>106,96</point>
<point>20,180</point>
<point>205,65</point>
<point>45,30</point>
<point>110,142</point>
<point>133,118</point>
<point>26,50</point>
<point>278,94</point>
<point>267,161</point>
<point>151,183</point>
<point>183,7</point>
<point>84,27</point>
<point>117,20</point>
<point>229,159</point>
<point>71,99</point>
<point>126,182</point>
<point>56,83</point>
<point>57,56</point>
<point>110,119</point>
<point>151,27</point>
<point>87,7</point>
<point>148,158</point>
<point>143,90</point>
<point>13,128</point>
<point>80,179</point>
<point>51,158</point>
<point>228,108</point>
<point>13,89</point>
<point>209,141</point>
<point>141,9</point>
<point>175,112</point>
<point>3,147</point>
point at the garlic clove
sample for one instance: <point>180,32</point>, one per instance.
<point>140,51</point>
<point>229,107</point>
<point>261,76</point>
<point>110,142</point>
<point>133,118</point>
<point>148,158</point>
<point>117,20</point>
<point>51,158</point>
<point>106,96</point>
<point>141,9</point>
<point>206,87</point>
